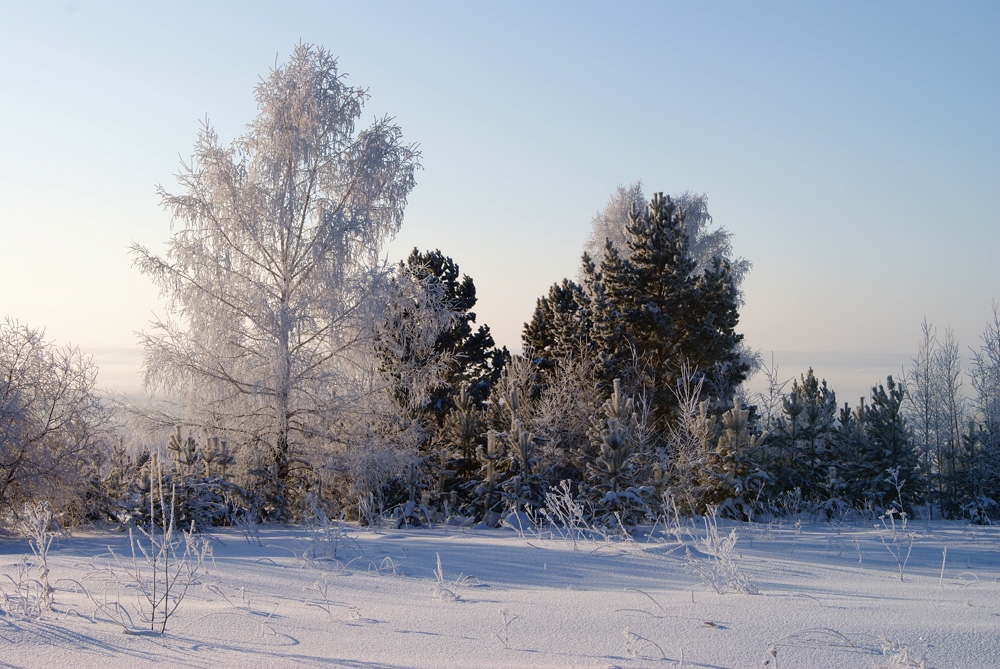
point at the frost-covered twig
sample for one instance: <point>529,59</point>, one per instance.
<point>897,538</point>
<point>564,512</point>
<point>505,619</point>
<point>35,524</point>
<point>636,646</point>
<point>721,573</point>
<point>442,591</point>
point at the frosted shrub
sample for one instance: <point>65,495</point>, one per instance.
<point>721,572</point>
<point>35,524</point>
<point>564,512</point>
<point>161,568</point>
<point>896,537</point>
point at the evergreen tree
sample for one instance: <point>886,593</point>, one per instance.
<point>889,453</point>
<point>469,365</point>
<point>654,307</point>
<point>984,374</point>
<point>731,477</point>
<point>475,360</point>
<point>801,445</point>
<point>844,481</point>
<point>612,472</point>
<point>706,242</point>
<point>560,325</point>
<point>978,476</point>
<point>521,484</point>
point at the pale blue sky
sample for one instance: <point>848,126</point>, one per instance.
<point>852,148</point>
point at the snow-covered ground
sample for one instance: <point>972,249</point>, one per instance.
<point>820,595</point>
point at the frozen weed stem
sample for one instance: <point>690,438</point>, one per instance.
<point>442,591</point>
<point>505,620</point>
<point>162,566</point>
<point>722,573</point>
<point>35,524</point>
<point>564,512</point>
<point>32,596</point>
<point>325,535</point>
<point>26,603</point>
<point>637,647</point>
<point>895,538</point>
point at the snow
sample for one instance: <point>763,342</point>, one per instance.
<point>830,595</point>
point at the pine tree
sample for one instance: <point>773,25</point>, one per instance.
<point>475,359</point>
<point>978,483</point>
<point>889,453</point>
<point>654,307</point>
<point>731,476</point>
<point>520,483</point>
<point>801,445</point>
<point>560,325</point>
<point>467,361</point>
<point>611,474</point>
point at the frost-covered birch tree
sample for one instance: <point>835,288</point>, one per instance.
<point>273,270</point>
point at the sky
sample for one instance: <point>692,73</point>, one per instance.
<point>852,149</point>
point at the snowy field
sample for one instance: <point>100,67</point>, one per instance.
<point>814,595</point>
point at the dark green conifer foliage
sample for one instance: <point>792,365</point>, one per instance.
<point>731,479</point>
<point>474,365</point>
<point>521,483</point>
<point>889,447</point>
<point>802,444</point>
<point>478,362</point>
<point>486,497</point>
<point>560,325</point>
<point>654,311</point>
<point>611,484</point>
<point>978,476</point>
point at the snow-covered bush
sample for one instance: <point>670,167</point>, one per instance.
<point>52,424</point>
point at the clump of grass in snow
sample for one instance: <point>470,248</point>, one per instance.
<point>721,572</point>
<point>26,601</point>
<point>442,591</point>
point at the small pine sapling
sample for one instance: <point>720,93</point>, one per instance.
<point>611,473</point>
